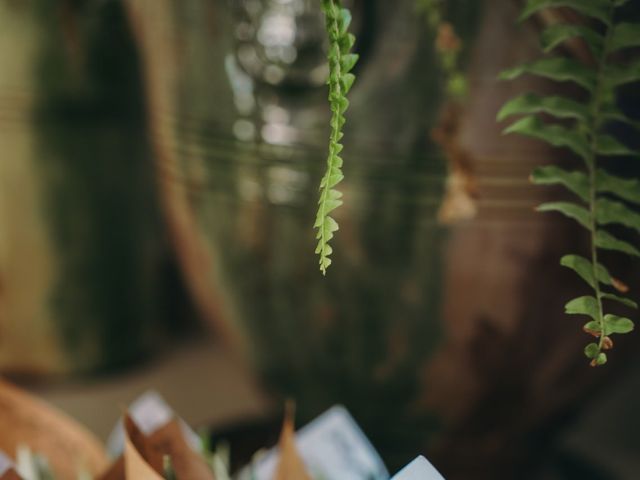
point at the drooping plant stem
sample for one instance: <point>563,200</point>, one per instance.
<point>591,163</point>
<point>341,62</point>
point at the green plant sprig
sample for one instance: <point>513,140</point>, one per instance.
<point>341,62</point>
<point>448,48</point>
<point>602,198</point>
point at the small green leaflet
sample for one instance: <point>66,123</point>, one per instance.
<point>586,305</point>
<point>556,135</point>
<point>559,33</point>
<point>571,210</point>
<point>618,75</point>
<point>609,146</point>
<point>612,212</point>
<point>584,269</point>
<point>598,9</point>
<point>625,188</point>
<point>606,241</point>
<point>623,300</point>
<point>616,324</point>
<point>558,69</point>
<point>625,35</point>
<point>576,181</point>
<point>560,107</point>
<point>592,350</point>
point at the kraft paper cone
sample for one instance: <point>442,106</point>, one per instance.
<point>115,471</point>
<point>135,467</point>
<point>187,464</point>
<point>290,465</point>
<point>167,440</point>
<point>138,440</point>
<point>67,446</point>
<point>7,472</point>
<point>10,475</point>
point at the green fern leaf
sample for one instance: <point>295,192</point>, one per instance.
<point>611,113</point>
<point>617,76</point>
<point>615,116</point>
<point>344,22</point>
<point>625,188</point>
<point>586,305</point>
<point>623,300</point>
<point>585,135</point>
<point>584,269</point>
<point>347,81</point>
<point>557,69</point>
<point>557,34</point>
<point>598,9</point>
<point>606,241</point>
<point>592,350</point>
<point>612,212</point>
<point>559,107</point>
<point>555,135</point>
<point>608,146</point>
<point>625,35</point>
<point>347,62</point>
<point>616,324</point>
<point>575,181</point>
<point>341,62</point>
<point>571,210</point>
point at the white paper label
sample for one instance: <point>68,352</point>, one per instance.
<point>333,448</point>
<point>150,412</point>
<point>5,463</point>
<point>419,469</point>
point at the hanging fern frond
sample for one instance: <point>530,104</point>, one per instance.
<point>602,198</point>
<point>341,62</point>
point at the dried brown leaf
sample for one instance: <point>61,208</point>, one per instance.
<point>620,285</point>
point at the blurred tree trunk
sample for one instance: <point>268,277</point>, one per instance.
<point>81,245</point>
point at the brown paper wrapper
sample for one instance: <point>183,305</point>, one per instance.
<point>143,446</point>
<point>135,466</point>
<point>10,475</point>
<point>143,456</point>
<point>188,465</point>
<point>115,471</point>
<point>67,446</point>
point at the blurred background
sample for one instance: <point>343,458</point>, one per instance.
<point>159,163</point>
